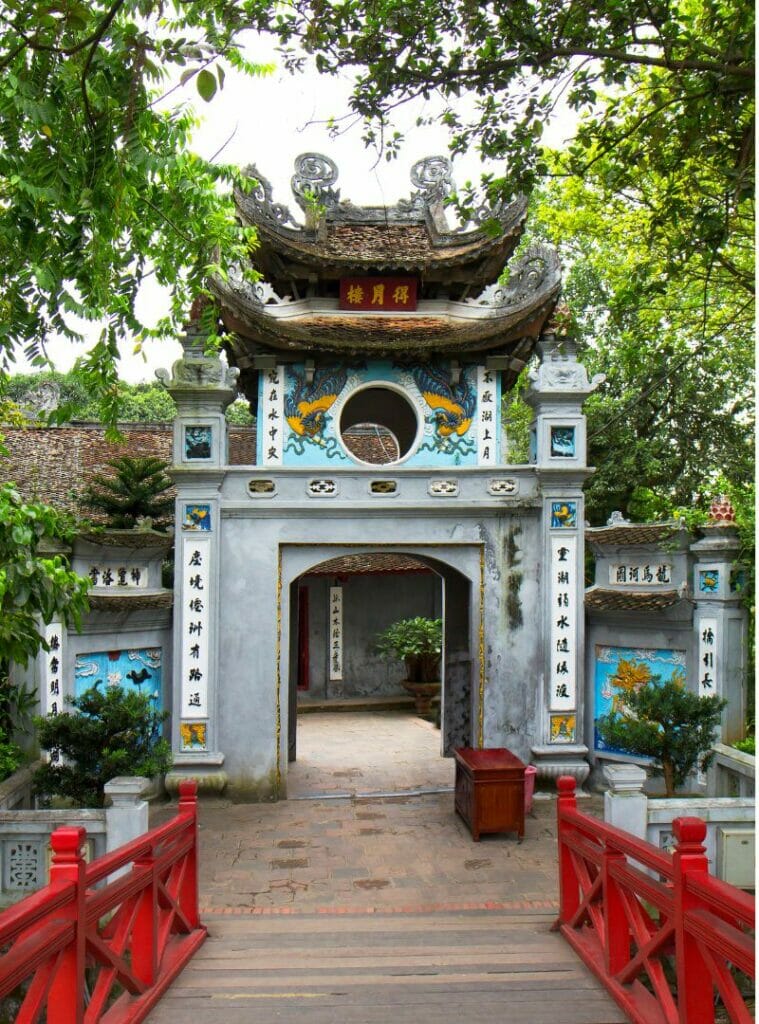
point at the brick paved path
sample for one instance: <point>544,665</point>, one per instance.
<point>369,910</point>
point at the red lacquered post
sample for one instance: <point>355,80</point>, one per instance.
<point>188,808</point>
<point>65,1003</point>
<point>694,982</point>
<point>569,889</point>
<point>617,931</point>
<point>145,935</point>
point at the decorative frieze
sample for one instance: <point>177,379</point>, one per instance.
<point>444,488</point>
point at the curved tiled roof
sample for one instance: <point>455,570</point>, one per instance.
<point>606,600</point>
<point>369,563</point>
<point>633,533</point>
<point>130,602</point>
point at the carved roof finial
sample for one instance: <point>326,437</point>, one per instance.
<point>721,512</point>
<point>315,174</point>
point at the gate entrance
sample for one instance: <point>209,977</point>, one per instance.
<point>337,608</point>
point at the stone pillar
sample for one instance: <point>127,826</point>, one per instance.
<point>202,387</point>
<point>127,817</point>
<point>625,803</point>
<point>720,621</point>
<point>557,390</point>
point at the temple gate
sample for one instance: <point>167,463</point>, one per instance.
<point>376,347</point>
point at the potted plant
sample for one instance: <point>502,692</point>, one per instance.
<point>418,642</point>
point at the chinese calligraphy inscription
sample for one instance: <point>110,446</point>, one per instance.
<point>272,415</point>
<point>335,633</point>
<point>563,624</point>
<point>707,657</point>
<point>196,554</point>
<point>488,419</point>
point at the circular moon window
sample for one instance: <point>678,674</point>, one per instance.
<point>378,426</point>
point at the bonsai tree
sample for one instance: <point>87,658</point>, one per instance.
<point>136,489</point>
<point>418,642</point>
<point>116,732</point>
<point>668,723</point>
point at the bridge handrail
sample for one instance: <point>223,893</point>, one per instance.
<point>133,934</point>
<point>626,923</point>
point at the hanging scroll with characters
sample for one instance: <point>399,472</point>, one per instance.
<point>335,634</point>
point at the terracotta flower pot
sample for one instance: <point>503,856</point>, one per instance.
<point>422,694</point>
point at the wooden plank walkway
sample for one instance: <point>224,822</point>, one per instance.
<point>378,968</point>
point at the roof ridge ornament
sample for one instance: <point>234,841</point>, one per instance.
<point>537,269</point>
<point>315,174</point>
<point>261,194</point>
<point>434,183</point>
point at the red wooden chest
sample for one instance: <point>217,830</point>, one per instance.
<point>490,790</point>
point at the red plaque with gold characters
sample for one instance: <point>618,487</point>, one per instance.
<point>379,293</point>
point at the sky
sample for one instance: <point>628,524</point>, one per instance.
<point>269,121</point>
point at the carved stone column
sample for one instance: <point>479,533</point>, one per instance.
<point>720,620</point>
<point>202,387</point>
<point>558,388</point>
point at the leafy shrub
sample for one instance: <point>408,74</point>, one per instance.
<point>747,746</point>
<point>11,757</point>
<point>136,488</point>
<point>668,723</point>
<point>416,641</point>
<point>114,733</point>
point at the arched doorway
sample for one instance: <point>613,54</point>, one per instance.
<point>336,608</point>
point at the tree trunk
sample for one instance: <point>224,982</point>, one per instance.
<point>669,777</point>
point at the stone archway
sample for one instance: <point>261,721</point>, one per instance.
<point>453,572</point>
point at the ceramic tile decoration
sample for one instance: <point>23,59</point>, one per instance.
<point>708,581</point>
<point>619,670</point>
<point>192,736</point>
<point>563,728</point>
<point>563,443</point>
<point>197,517</point>
<point>563,515</point>
<point>197,442</point>
<point>137,669</point>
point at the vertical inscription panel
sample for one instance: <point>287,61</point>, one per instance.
<point>196,557</point>
<point>563,623</point>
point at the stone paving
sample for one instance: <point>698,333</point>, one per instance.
<point>345,852</point>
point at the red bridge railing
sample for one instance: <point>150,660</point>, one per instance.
<point>76,954</point>
<point>665,937</point>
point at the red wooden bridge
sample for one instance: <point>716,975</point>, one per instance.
<point>103,942</point>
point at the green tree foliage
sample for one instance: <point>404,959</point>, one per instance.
<point>668,723</point>
<point>36,586</point>
<point>65,395</point>
<point>676,409</point>
<point>137,488</point>
<point>110,734</point>
<point>667,85</point>
<point>98,186</point>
